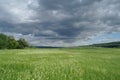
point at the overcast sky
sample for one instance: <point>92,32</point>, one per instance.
<point>61,22</point>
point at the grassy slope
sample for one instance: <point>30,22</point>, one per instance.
<point>60,64</point>
<point>108,45</point>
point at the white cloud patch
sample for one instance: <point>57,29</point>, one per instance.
<point>19,11</point>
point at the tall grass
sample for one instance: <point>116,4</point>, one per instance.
<point>60,64</point>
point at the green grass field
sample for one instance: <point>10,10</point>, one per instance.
<point>60,64</point>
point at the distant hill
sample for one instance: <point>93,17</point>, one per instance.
<point>46,47</point>
<point>108,45</point>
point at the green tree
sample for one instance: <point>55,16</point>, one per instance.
<point>22,43</point>
<point>8,42</point>
<point>3,41</point>
<point>12,43</point>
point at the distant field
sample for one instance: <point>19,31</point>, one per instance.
<point>60,64</point>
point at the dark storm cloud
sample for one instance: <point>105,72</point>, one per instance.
<point>59,21</point>
<point>65,4</point>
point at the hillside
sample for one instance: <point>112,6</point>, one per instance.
<point>109,45</point>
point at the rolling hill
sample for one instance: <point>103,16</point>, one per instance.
<point>108,45</point>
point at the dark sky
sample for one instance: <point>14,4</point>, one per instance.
<point>61,22</point>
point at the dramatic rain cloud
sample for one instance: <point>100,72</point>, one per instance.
<point>59,22</point>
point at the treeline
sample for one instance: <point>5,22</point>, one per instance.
<point>108,45</point>
<point>9,42</point>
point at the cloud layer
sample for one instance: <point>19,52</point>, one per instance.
<point>59,22</point>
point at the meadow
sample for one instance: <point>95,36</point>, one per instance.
<point>60,64</point>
